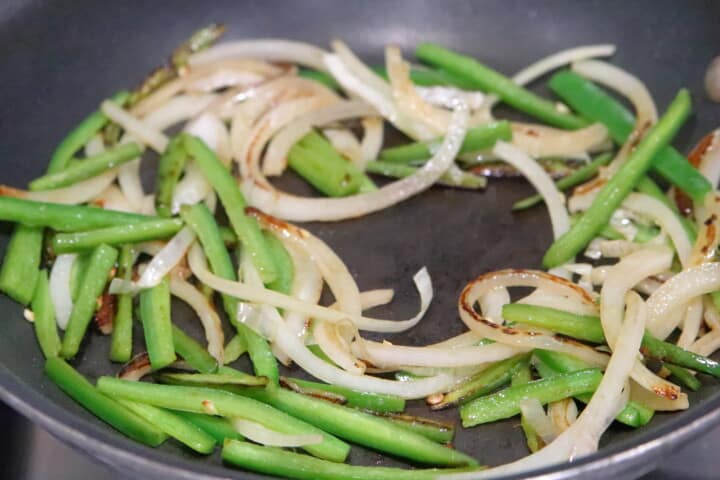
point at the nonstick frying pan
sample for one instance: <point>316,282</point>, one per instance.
<point>58,59</point>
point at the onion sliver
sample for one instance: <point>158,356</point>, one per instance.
<point>60,292</point>
<point>80,192</point>
<point>270,49</point>
<point>139,129</point>
<point>542,183</point>
<point>264,436</point>
<point>691,323</point>
<point>540,141</point>
<point>372,140</point>
<point>533,413</point>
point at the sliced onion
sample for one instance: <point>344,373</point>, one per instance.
<point>344,142</point>
<point>691,323</point>
<point>562,414</point>
<point>533,413</point>
<point>208,316</point>
<point>375,298</point>
<point>264,436</point>
<point>60,292</point>
<point>134,126</point>
<point>112,198</point>
<point>307,286</point>
<point>540,141</point>
<point>136,368</point>
<point>463,340</point>
<point>543,298</point>
<point>492,302</point>
<point>710,160</point>
<point>80,192</point>
<point>178,109</point>
<point>663,305</point>
<point>335,345</point>
<point>270,49</point>
<point>707,344</point>
<point>711,314</point>
<point>94,146</point>
<point>542,183</point>
<point>708,236</point>
<point>372,140</point>
<point>290,207</point>
<point>447,97</point>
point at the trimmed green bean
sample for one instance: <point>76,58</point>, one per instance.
<point>582,174</point>
<point>199,218</point>
<point>369,401</point>
<point>192,352</point>
<point>358,427</point>
<point>438,432</point>
<point>684,376</point>
<point>21,265</point>
<point>478,138</point>
<point>121,342</point>
<point>458,178</point>
<point>506,403</point>
<point>63,218</point>
<point>81,135</point>
<point>101,264</point>
<point>283,263</point>
<point>226,404</point>
<point>667,352</point>
<point>102,406</point>
<point>157,325</point>
<point>429,77</point>
<point>44,317</point>
<point>648,187</point>
<point>593,103</point>
<point>482,383</point>
<point>79,267</point>
<point>175,426</point>
<point>88,167</point>
<point>170,168</point>
<point>234,349</point>
<point>155,229</point>
<point>233,377</point>
<point>232,199</point>
<point>491,81</point>
<point>281,463</point>
<point>620,185</point>
<point>217,427</point>
<point>521,376</point>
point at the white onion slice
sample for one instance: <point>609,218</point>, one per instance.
<point>447,97</point>
<point>80,192</point>
<point>656,402</point>
<point>344,142</point>
<point>205,311</point>
<point>542,298</point>
<point>562,414</point>
<point>707,344</point>
<point>691,323</point>
<point>540,141</point>
<point>260,434</point>
<point>711,314</point>
<point>139,129</point>
<point>710,160</point>
<point>60,292</point>
<point>372,140</point>
<point>492,302</point>
<point>534,414</point>
<point>270,49</point>
<point>332,338</point>
<point>95,145</point>
<point>542,183</point>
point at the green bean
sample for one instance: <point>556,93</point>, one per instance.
<point>620,185</point>
<point>104,407</point>
<point>478,138</point>
<point>438,432</point>
<point>491,81</point>
<point>428,77</point>
<point>175,426</point>
<point>317,351</point>
<point>101,264</point>
<point>232,199</point>
<point>358,427</point>
<point>228,236</point>
<point>482,383</point>
<point>198,41</point>
<point>87,168</point>
<point>234,349</point>
<point>506,403</point>
<point>199,218</point>
<point>192,352</point>
<point>157,325</point>
<point>320,77</point>
<point>121,343</point>
<point>685,377</point>
<point>582,174</point>
<point>170,168</point>
<point>63,218</point>
<point>281,463</point>
<point>226,404</point>
<point>458,178</point>
<point>235,377</point>
<point>155,229</point>
<point>21,265</point>
<point>521,376</point>
<point>589,328</point>
<point>552,363</point>
<point>79,267</point>
<point>217,427</point>
<point>44,317</point>
<point>283,263</point>
<point>368,401</point>
<point>81,134</point>
<point>593,103</point>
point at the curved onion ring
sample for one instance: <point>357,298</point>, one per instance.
<point>269,49</point>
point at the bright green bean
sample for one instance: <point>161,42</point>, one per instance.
<point>521,376</point>
<point>21,265</point>
<point>478,138</point>
<point>491,81</point>
<point>234,349</point>
<point>155,229</point>
<point>121,342</point>
<point>459,179</point>
<point>219,402</point>
<point>506,403</point>
<point>44,317</point>
<point>87,168</point>
<point>620,185</point>
<point>329,173</point>
<point>685,377</point>
<point>438,432</point>
<point>104,407</point>
<point>232,199</point>
<point>175,426</point>
<point>320,77</point>
<point>428,77</point>
<point>170,168</point>
<point>218,427</point>
<point>234,377</point>
<point>368,401</point>
<point>101,263</point>
<point>157,325</point>
<point>192,352</point>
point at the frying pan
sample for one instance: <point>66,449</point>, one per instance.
<point>58,59</point>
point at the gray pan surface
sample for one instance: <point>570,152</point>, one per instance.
<point>59,59</point>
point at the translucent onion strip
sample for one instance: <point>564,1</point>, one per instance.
<point>134,126</point>
<point>540,141</point>
<point>270,49</point>
<point>80,192</point>
<point>60,292</point>
<point>264,436</point>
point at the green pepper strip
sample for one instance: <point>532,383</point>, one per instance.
<point>121,342</point>
<point>157,325</point>
<point>104,407</point>
<point>199,218</point>
<point>685,377</point>
<point>368,401</point>
<point>438,432</point>
<point>429,77</point>
<point>218,402</point>
<point>521,376</point>
<point>283,262</point>
<point>506,403</point>
<point>44,317</point>
<point>593,103</point>
<point>170,168</point>
<point>234,349</point>
<point>192,352</point>
<point>96,277</point>
<point>620,185</point>
<point>488,80</point>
